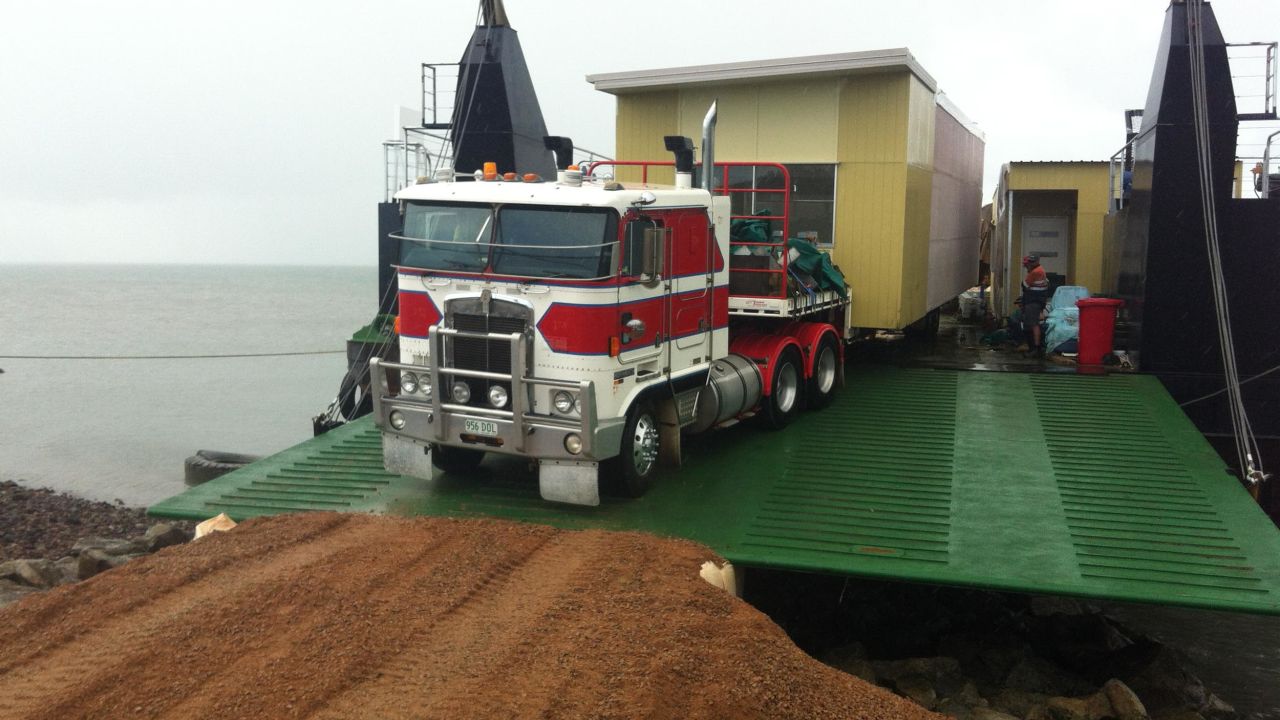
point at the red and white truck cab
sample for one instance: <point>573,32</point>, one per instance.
<point>583,325</point>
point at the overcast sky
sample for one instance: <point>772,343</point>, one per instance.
<point>250,132</point>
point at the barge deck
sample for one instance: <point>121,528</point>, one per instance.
<point>1089,486</point>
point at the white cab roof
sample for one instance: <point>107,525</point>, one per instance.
<point>551,193</point>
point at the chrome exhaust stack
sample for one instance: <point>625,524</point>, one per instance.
<point>709,148</point>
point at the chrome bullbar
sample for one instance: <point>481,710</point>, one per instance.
<point>518,431</point>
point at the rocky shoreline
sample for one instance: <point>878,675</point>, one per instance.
<point>49,538</point>
<point>979,655</point>
<point>966,654</point>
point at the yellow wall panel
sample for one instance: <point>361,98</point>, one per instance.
<point>643,119</point>
<point>737,137</point>
<point>1088,258</point>
<point>870,218</point>
<point>770,122</point>
<point>873,116</point>
<point>798,121</point>
<point>871,195</point>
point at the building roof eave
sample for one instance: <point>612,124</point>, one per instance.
<point>851,63</point>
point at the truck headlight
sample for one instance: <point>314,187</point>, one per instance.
<point>397,419</point>
<point>461,392</point>
<point>563,401</point>
<point>426,387</point>
<point>497,396</point>
<point>409,383</point>
<point>573,443</point>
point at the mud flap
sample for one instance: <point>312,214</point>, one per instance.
<point>668,434</point>
<point>406,457</point>
<point>566,481</point>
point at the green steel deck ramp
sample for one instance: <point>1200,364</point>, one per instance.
<point>1060,484</point>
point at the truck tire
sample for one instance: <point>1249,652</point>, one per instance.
<point>631,473</point>
<point>786,391</point>
<point>822,385</point>
<point>455,459</point>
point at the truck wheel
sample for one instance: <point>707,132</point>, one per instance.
<point>455,459</point>
<point>786,391</point>
<point>632,472</point>
<point>821,389</point>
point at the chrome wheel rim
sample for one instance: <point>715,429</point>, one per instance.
<point>787,385</point>
<point>826,371</point>
<point>644,445</point>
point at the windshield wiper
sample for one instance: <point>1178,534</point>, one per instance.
<point>458,265</point>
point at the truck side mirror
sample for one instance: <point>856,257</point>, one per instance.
<point>651,250</point>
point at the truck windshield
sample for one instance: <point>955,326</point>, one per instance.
<point>446,237</point>
<point>525,241</point>
<point>555,242</point>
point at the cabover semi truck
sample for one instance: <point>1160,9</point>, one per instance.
<point>587,325</point>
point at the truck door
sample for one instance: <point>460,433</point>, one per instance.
<point>644,294</point>
<point>692,257</point>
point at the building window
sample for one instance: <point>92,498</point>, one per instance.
<point>813,202</point>
<point>813,197</point>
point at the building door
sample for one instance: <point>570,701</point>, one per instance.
<point>1048,237</point>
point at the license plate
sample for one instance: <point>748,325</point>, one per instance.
<point>480,427</point>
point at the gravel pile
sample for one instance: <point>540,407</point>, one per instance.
<point>327,615</point>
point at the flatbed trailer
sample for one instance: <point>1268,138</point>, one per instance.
<point>1043,483</point>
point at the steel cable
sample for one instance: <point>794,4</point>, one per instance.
<point>1216,393</point>
<point>1249,457</point>
<point>367,353</point>
<point>208,356</point>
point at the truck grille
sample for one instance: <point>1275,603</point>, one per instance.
<point>482,315</point>
<point>487,355</point>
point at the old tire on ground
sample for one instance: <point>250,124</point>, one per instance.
<point>822,385</point>
<point>455,459</point>
<point>632,472</point>
<point>786,391</point>
<point>206,465</point>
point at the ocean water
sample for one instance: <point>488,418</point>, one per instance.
<point>120,429</point>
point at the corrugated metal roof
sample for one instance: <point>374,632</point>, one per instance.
<point>836,64</point>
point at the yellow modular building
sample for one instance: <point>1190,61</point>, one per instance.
<point>1056,210</point>
<point>1062,211</point>
<point>886,174</point>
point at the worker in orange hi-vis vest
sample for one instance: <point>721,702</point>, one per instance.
<point>1035,293</point>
